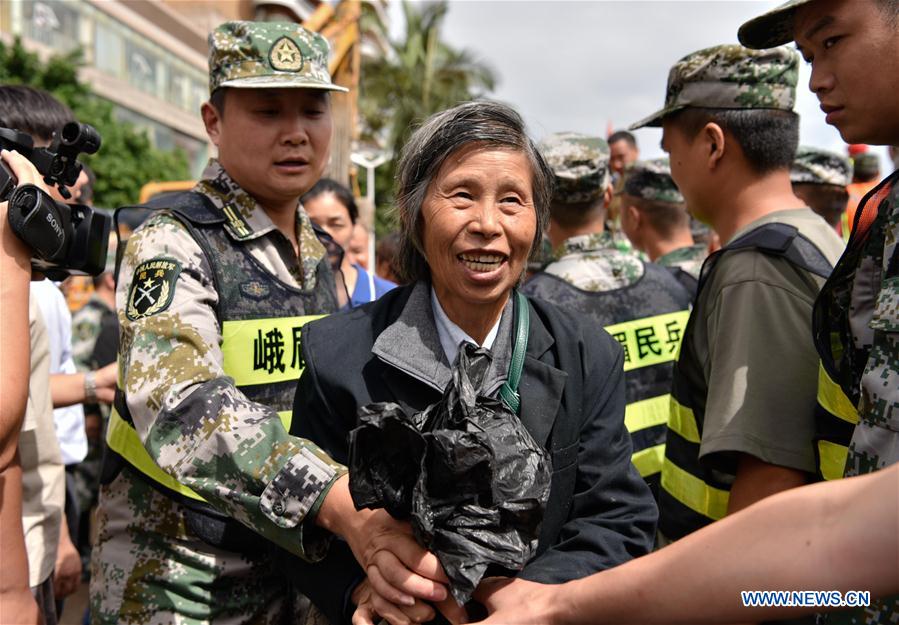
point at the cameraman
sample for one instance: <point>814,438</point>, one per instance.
<point>48,545</point>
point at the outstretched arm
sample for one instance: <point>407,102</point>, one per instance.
<point>838,535</point>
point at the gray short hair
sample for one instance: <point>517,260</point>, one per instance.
<point>483,122</point>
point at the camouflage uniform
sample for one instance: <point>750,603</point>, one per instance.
<point>592,262</point>
<point>85,328</point>
<point>628,297</point>
<point>202,436</point>
<point>689,259</point>
<point>856,323</point>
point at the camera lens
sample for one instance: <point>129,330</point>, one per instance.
<point>84,137</point>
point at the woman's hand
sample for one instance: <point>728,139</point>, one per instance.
<point>370,606</point>
<point>398,568</point>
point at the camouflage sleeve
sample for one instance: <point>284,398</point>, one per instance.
<point>875,442</point>
<point>192,420</point>
<point>85,327</point>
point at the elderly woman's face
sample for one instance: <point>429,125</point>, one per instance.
<point>479,223</point>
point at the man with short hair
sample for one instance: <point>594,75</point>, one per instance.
<point>741,429</point>
<point>819,179</point>
<point>203,479</point>
<point>655,219</point>
<point>623,151</point>
<point>640,304</point>
<point>856,323</point>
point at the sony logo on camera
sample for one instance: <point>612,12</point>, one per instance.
<point>55,225</point>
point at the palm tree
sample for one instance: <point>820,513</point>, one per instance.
<point>420,76</point>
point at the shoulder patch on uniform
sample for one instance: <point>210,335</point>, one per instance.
<point>152,287</point>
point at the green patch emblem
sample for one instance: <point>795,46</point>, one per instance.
<point>285,56</point>
<point>152,288</point>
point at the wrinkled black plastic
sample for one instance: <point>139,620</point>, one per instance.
<point>465,472</point>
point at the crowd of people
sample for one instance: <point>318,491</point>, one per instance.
<point>694,340</point>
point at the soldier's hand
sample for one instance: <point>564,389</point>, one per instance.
<point>398,568</point>
<point>105,379</point>
<point>370,607</point>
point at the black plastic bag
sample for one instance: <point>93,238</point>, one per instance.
<point>465,472</point>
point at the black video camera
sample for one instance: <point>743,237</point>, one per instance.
<point>66,239</point>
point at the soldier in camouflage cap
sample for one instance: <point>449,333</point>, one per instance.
<point>820,179</point>
<point>817,166</point>
<point>580,164</point>
<point>593,275</point>
<point>203,477</point>
<point>730,77</point>
<point>268,55</point>
<point>654,217</point>
<point>651,180</point>
<point>731,136</point>
<point>865,167</point>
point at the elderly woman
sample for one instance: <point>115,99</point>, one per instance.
<point>473,201</point>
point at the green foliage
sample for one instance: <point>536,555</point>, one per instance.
<point>421,76</point>
<point>126,160</point>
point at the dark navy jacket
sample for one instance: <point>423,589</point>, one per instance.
<point>600,512</point>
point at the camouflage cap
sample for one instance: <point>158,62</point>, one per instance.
<point>580,165</point>
<point>268,55</point>
<point>730,77</point>
<point>816,166</point>
<point>774,28</point>
<point>651,180</point>
<point>866,164</point>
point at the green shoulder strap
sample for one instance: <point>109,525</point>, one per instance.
<point>508,392</point>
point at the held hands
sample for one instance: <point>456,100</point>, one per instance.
<point>400,572</point>
<point>517,602</point>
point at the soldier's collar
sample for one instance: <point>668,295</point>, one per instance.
<point>244,217</point>
<point>587,243</point>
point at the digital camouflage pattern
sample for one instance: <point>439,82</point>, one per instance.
<point>268,55</point>
<point>201,430</point>
<point>817,166</point>
<point>205,584</point>
<point>689,259</point>
<point>774,28</point>
<point>580,165</point>
<point>86,323</point>
<point>861,307</point>
<point>651,180</point>
<point>730,77</point>
<point>593,262</point>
